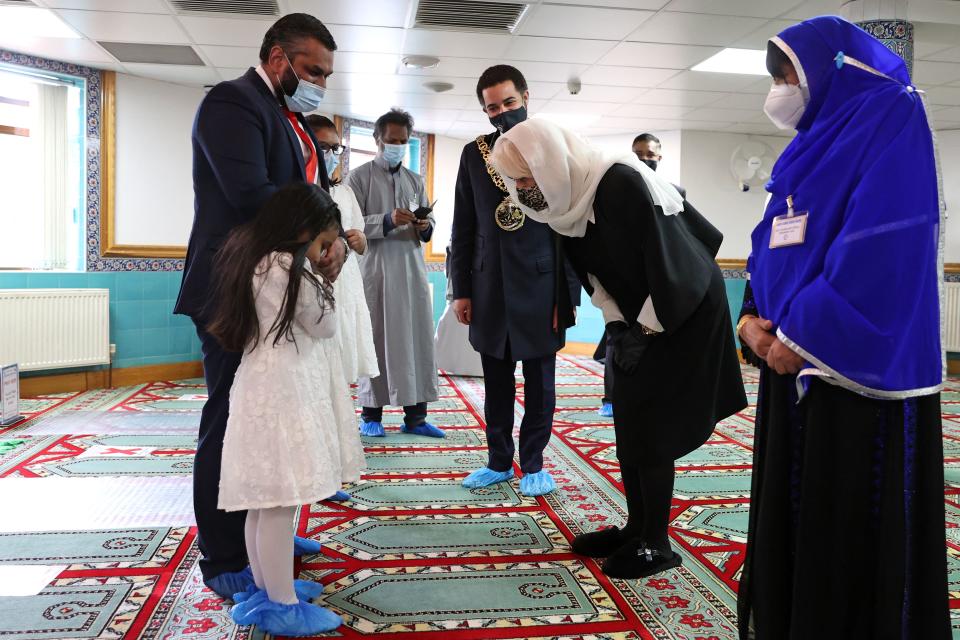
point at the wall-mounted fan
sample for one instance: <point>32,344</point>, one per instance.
<point>751,164</point>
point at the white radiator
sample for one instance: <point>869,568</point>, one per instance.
<point>54,328</point>
<point>951,311</point>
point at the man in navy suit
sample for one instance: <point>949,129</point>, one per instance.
<point>512,286</point>
<point>249,140</point>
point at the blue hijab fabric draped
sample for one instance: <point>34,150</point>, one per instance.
<point>859,299</point>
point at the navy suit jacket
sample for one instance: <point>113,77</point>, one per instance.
<point>244,150</point>
<point>514,278</point>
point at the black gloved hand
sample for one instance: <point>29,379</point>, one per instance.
<point>629,345</point>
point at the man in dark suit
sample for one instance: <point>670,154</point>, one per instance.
<point>512,286</point>
<point>249,140</point>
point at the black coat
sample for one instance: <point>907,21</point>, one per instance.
<point>244,150</point>
<point>514,278</point>
<point>689,377</point>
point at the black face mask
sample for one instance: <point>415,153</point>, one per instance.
<point>506,120</point>
<point>650,163</point>
<point>532,197</point>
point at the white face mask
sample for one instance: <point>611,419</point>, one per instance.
<point>785,105</point>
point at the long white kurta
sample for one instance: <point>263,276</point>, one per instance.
<point>354,333</point>
<point>395,284</point>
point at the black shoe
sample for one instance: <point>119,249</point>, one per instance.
<point>598,544</point>
<point>636,560</point>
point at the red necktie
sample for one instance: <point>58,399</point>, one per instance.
<point>311,168</point>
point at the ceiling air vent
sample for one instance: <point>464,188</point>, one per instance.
<point>153,53</point>
<point>469,15</point>
<point>247,7</point>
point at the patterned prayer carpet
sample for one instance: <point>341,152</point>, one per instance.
<point>96,535</point>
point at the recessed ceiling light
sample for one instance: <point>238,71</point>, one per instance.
<point>421,62</point>
<point>29,22</point>
<point>748,61</point>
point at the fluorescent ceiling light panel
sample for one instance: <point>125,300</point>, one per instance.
<point>747,61</point>
<point>29,22</point>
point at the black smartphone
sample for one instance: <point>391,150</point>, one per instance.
<point>423,212</point>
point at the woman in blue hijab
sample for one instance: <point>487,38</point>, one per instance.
<point>842,314</point>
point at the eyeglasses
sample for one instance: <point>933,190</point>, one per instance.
<point>337,149</point>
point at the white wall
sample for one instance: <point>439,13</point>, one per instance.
<point>705,174</point>
<point>670,142</point>
<point>446,163</point>
<point>154,185</point>
<point>949,143</point>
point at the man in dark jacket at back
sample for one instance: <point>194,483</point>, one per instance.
<point>249,140</point>
<point>512,286</point>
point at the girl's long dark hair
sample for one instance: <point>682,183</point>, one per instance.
<point>296,210</point>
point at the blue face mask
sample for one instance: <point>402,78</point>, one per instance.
<point>394,153</point>
<point>306,97</point>
<point>331,161</point>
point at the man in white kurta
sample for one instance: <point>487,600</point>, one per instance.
<point>395,283</point>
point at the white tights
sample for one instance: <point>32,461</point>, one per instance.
<point>270,549</point>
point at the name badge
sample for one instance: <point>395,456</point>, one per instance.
<point>788,230</point>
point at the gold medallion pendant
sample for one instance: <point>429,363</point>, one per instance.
<point>509,217</point>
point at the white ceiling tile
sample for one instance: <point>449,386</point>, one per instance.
<point>949,96</point>
<point>679,98</point>
<point>650,5</point>
<point>233,57</point>
<point>758,39</point>
<point>710,114</point>
<point>546,71</point>
<point>693,28</point>
<point>543,91</point>
<point>813,8</point>
<point>765,9</point>
<point>477,117</point>
<point>466,45</point>
<point>367,39</point>
<point>627,76</point>
<point>657,111</point>
<point>586,22</point>
<point>382,13</point>
<point>760,85</point>
<point>577,107</point>
<point>927,72</point>
<point>231,73</point>
<point>126,27</point>
<point>232,32</point>
<point>176,74</point>
<point>557,49</point>
<point>458,67</point>
<point>126,6</point>
<point>600,93</point>
<point>652,54</point>
<point>66,49</point>
<point>376,63</point>
<point>741,101</point>
<point>706,81</point>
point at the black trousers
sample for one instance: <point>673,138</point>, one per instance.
<point>413,415</point>
<point>608,373</point>
<point>540,399</point>
<point>649,491</point>
<point>219,533</point>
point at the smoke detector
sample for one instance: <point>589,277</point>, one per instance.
<point>420,62</point>
<point>438,87</point>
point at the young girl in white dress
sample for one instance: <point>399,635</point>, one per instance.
<point>284,445</point>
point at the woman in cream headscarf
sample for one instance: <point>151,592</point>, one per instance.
<point>647,258</point>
